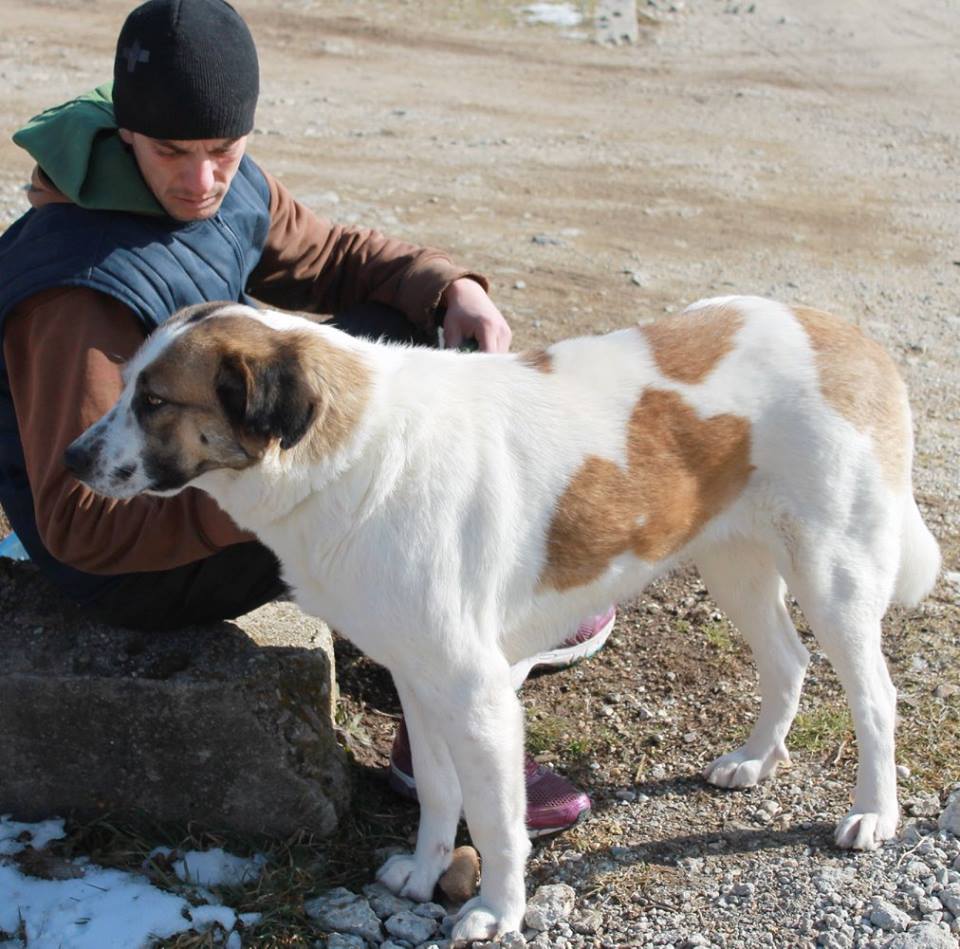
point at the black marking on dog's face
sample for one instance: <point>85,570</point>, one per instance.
<point>164,472</point>
<point>266,398</point>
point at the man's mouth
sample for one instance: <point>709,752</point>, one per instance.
<point>198,204</point>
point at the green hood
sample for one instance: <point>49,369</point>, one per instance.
<point>77,146</point>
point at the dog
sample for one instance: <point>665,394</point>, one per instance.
<point>451,513</point>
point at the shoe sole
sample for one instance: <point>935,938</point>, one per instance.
<point>533,834</point>
<point>563,656</point>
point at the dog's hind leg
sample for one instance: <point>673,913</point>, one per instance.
<point>438,791</point>
<point>744,581</point>
<point>844,598</point>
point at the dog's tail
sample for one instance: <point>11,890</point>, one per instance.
<point>919,557</point>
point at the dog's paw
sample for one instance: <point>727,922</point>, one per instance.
<point>865,830</point>
<point>741,769</point>
<point>474,922</point>
<point>402,875</point>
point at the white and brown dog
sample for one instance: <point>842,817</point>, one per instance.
<point>451,514</point>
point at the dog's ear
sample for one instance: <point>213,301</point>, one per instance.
<point>265,397</point>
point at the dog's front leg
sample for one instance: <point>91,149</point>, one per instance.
<point>438,791</point>
<point>487,749</point>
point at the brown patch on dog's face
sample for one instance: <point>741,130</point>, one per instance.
<point>538,359</point>
<point>687,347</point>
<point>681,472</point>
<point>860,380</point>
<point>228,387</point>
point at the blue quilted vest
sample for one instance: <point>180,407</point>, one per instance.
<point>154,265</point>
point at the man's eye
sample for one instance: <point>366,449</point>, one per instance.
<point>154,401</point>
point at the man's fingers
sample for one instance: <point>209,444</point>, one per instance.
<point>452,334</point>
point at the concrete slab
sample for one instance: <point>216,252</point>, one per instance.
<point>227,725</point>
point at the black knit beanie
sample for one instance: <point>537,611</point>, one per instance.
<point>185,69</point>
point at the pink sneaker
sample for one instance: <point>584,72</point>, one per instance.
<point>553,803</point>
<point>588,639</point>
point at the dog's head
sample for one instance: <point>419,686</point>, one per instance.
<point>215,387</point>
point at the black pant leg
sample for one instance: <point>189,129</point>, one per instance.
<point>222,586</point>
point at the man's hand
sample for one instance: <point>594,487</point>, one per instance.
<point>471,314</point>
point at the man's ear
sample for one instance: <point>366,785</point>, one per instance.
<point>265,397</point>
<point>126,136</point>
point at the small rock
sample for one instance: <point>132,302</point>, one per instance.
<point>903,772</point>
<point>410,927</point>
<point>887,917</point>
<point>520,285</point>
<point>459,882</point>
<point>923,805</point>
<point>949,820</point>
<point>950,897</point>
<point>588,924</point>
<point>549,905</point>
<point>383,902</point>
<point>341,911</point>
<point>922,936</point>
<point>430,910</point>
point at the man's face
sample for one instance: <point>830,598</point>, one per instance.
<point>189,178</point>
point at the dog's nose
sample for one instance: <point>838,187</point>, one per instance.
<point>78,460</point>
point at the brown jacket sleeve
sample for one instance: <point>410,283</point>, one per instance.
<point>310,264</point>
<point>64,349</point>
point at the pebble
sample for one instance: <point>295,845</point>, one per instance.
<point>459,882</point>
<point>341,911</point>
<point>888,917</point>
<point>923,805</point>
<point>549,905</point>
<point>922,936</point>
<point>949,820</point>
<point>411,927</point>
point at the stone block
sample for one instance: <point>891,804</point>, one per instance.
<point>228,725</point>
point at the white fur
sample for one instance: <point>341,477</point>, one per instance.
<point>423,541</point>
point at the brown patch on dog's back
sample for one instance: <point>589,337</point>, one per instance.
<point>687,347</point>
<point>681,472</point>
<point>860,380</point>
<point>539,359</point>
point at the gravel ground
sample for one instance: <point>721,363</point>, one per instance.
<point>905,895</point>
<point>806,151</point>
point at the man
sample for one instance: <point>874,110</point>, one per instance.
<point>144,201</point>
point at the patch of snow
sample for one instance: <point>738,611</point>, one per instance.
<point>555,14</point>
<point>217,868</point>
<point>34,835</point>
<point>105,907</point>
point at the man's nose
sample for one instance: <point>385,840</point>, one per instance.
<point>78,460</point>
<point>202,178</point>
